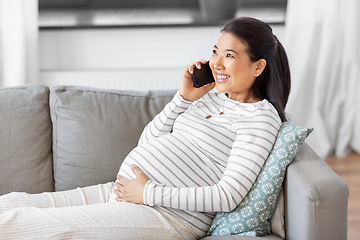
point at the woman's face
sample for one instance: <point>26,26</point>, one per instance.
<point>232,69</point>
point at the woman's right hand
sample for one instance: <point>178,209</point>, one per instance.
<point>187,89</point>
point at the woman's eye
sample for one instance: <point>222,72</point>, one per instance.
<point>229,55</point>
<point>214,52</point>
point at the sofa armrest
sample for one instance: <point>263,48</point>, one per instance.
<point>316,199</point>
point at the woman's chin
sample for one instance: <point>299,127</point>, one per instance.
<point>221,88</point>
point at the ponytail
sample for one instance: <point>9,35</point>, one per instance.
<point>285,78</point>
<point>274,82</point>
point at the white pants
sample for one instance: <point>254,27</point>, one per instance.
<point>85,213</point>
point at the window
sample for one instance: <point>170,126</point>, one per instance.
<point>120,13</point>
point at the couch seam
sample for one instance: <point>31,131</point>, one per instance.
<point>125,94</point>
<point>24,86</point>
<point>55,155</point>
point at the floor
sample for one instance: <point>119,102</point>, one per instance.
<point>348,169</point>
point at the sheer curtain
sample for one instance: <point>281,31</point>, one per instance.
<point>322,39</point>
<point>18,42</point>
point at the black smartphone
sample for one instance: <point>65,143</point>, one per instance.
<point>202,76</point>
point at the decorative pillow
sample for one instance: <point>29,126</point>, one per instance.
<point>252,216</point>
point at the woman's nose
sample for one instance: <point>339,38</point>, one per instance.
<point>218,65</point>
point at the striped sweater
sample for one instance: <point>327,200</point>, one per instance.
<point>200,166</point>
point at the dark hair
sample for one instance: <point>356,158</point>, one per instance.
<point>274,82</point>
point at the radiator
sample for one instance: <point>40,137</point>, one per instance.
<point>130,79</point>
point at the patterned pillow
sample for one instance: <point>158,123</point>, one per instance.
<point>252,216</point>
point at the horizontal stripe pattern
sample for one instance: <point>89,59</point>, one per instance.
<point>200,166</point>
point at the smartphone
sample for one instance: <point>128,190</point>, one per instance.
<point>203,76</point>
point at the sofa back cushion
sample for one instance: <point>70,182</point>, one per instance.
<point>94,130</point>
<point>25,140</point>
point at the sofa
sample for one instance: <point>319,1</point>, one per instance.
<point>72,136</point>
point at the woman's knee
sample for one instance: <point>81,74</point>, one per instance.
<point>11,200</point>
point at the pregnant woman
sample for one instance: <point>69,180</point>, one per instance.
<point>200,155</point>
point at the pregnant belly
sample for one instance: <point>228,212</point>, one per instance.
<point>173,160</point>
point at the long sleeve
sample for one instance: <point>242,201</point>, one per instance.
<point>199,165</point>
<point>255,136</point>
<point>163,122</point>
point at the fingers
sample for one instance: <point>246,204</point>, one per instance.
<point>131,190</point>
<point>141,178</point>
<point>203,61</point>
<point>120,197</point>
<point>197,64</point>
<point>120,184</point>
<point>118,192</point>
<point>136,170</point>
<point>209,86</point>
<point>122,179</point>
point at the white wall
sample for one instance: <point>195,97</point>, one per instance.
<point>124,58</point>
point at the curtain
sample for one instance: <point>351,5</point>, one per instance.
<point>18,42</point>
<point>322,39</point>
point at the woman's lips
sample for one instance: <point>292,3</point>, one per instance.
<point>221,77</point>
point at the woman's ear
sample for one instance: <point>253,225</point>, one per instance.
<point>260,66</point>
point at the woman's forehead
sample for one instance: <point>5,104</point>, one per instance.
<point>228,40</point>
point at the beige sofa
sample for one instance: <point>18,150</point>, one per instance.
<point>75,136</point>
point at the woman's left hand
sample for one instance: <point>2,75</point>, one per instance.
<point>131,190</point>
<point>186,89</point>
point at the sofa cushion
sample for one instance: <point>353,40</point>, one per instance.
<point>252,216</point>
<point>25,140</point>
<point>94,130</point>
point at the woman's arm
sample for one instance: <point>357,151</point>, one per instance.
<point>163,122</point>
<point>252,145</point>
<point>249,152</point>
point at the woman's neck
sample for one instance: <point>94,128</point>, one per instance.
<point>243,98</point>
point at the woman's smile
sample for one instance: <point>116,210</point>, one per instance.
<point>220,78</point>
